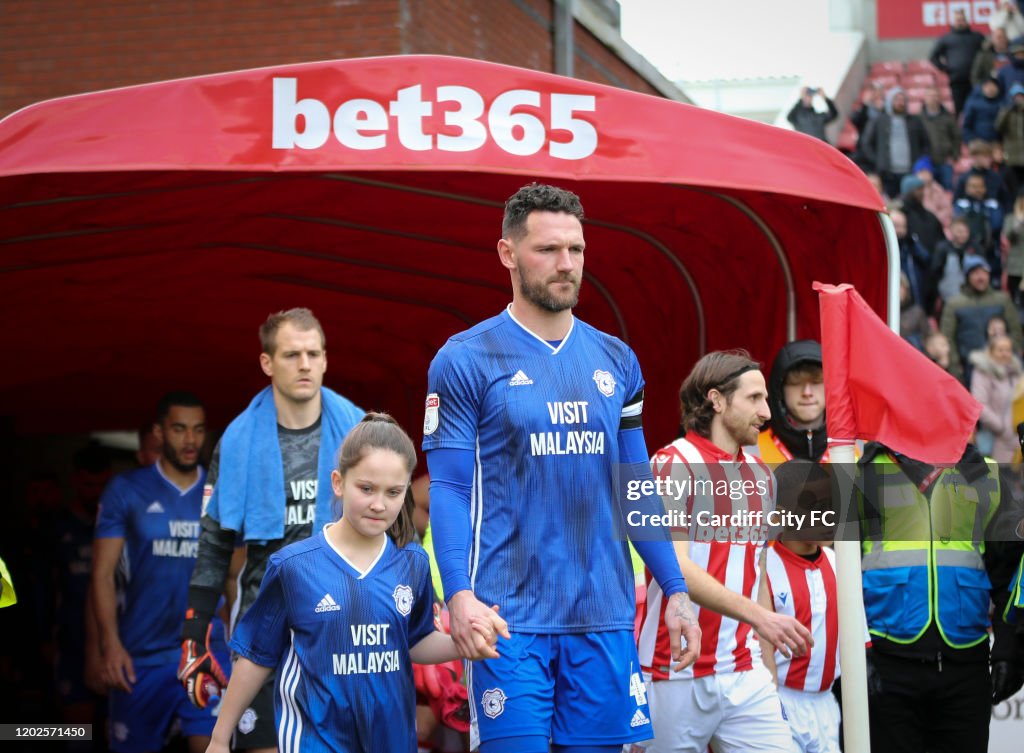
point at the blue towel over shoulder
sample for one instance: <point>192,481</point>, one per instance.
<point>249,496</point>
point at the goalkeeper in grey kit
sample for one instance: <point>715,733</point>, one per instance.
<point>268,486</point>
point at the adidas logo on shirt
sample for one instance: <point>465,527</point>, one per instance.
<point>155,506</point>
<point>327,604</point>
<point>639,719</point>
<point>519,379</point>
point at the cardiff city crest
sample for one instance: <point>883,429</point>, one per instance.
<point>493,702</point>
<point>605,382</point>
<point>248,721</point>
<point>403,599</point>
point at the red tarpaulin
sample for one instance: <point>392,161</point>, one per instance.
<point>146,232</point>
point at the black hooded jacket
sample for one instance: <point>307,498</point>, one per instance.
<point>802,443</point>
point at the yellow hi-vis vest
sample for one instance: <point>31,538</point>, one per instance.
<point>923,556</point>
<point>7,597</point>
<point>1014,612</point>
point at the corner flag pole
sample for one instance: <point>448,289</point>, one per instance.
<point>849,589</point>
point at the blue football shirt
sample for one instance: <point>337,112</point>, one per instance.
<point>160,526</point>
<point>340,640</point>
<point>543,421</point>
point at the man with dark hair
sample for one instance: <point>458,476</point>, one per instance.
<point>727,699</point>
<point>954,53</point>
<point>982,157</point>
<point>143,554</point>
<point>532,415</point>
<point>180,399</point>
<point>985,219</point>
<point>268,485</point>
<point>537,197</point>
<point>796,397</point>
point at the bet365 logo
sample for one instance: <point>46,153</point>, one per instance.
<point>445,118</point>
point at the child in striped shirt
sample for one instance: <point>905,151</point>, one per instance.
<point>799,579</point>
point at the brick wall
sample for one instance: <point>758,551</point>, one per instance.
<point>514,32</point>
<point>50,48</point>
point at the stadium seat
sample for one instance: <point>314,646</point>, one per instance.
<point>916,93</point>
<point>887,66</point>
<point>921,66</point>
<point>918,79</point>
<point>888,80</point>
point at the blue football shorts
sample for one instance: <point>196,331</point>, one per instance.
<point>141,721</point>
<point>574,689</point>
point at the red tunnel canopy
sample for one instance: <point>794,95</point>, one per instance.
<point>146,232</point>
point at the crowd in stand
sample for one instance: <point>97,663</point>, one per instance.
<point>949,162</point>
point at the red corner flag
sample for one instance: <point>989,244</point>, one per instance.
<point>880,387</point>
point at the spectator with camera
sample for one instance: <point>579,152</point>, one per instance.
<point>806,118</point>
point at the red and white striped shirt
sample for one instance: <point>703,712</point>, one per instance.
<point>726,502</point>
<point>806,589</point>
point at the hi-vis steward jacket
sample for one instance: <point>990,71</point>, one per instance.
<point>1014,612</point>
<point>923,549</point>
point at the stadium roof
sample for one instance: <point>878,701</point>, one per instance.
<point>145,232</point>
